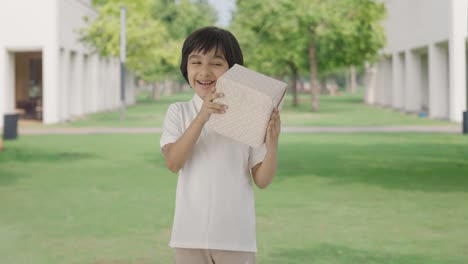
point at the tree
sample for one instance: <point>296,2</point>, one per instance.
<point>330,34</point>
<point>146,45</point>
<point>155,33</point>
<point>341,33</point>
<point>270,51</point>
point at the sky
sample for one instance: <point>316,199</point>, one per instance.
<point>224,8</point>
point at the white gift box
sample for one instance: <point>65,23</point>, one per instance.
<point>251,98</point>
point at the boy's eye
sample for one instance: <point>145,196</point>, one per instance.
<point>195,62</point>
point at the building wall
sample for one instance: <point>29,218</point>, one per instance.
<point>76,80</point>
<point>415,23</point>
<point>16,30</point>
<point>18,35</point>
<point>427,41</point>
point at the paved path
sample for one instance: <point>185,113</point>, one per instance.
<point>143,130</point>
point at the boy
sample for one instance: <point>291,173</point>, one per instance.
<point>214,219</point>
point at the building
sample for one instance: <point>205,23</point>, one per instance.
<point>424,65</point>
<point>46,73</point>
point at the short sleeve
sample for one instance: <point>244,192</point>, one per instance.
<point>172,127</point>
<point>256,155</point>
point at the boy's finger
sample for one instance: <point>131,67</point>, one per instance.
<point>217,105</point>
<point>213,96</point>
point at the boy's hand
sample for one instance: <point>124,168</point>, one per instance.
<point>273,131</point>
<point>209,107</point>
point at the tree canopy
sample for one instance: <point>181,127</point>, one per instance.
<point>155,32</point>
<point>318,36</point>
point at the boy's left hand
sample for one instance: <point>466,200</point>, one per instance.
<point>273,130</point>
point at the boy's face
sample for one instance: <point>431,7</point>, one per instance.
<point>204,69</point>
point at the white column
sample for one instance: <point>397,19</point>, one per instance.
<point>51,83</point>
<point>110,89</point>
<point>413,86</point>
<point>438,82</point>
<point>424,82</point>
<point>380,85</point>
<point>3,82</point>
<point>64,107</point>
<point>116,82</point>
<point>7,83</point>
<point>78,71</point>
<point>370,83</point>
<point>50,65</point>
<point>457,59</point>
<point>85,92</point>
<point>110,82</point>
<point>94,82</point>
<point>388,82</point>
<point>101,87</point>
<point>72,85</point>
<point>398,81</point>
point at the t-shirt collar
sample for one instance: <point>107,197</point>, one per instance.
<point>198,102</point>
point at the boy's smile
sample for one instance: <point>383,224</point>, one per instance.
<point>203,69</point>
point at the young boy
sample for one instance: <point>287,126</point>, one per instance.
<point>214,219</point>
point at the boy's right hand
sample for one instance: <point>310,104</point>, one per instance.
<point>209,107</point>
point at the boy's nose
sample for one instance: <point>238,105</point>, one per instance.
<point>206,72</point>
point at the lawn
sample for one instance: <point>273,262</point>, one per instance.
<point>360,198</point>
<point>344,110</point>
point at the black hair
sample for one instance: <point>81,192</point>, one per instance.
<point>208,38</point>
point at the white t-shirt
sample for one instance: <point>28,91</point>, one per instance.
<point>215,207</point>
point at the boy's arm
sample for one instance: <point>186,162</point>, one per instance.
<point>177,153</point>
<point>264,172</point>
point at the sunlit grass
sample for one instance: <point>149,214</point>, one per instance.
<point>361,198</point>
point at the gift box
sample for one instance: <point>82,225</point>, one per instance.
<point>251,98</point>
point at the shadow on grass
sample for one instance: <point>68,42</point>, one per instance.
<point>37,155</point>
<point>333,254</point>
<point>15,156</point>
<point>406,166</point>
<point>8,176</point>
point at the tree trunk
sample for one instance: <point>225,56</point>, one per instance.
<point>293,83</point>
<point>156,91</point>
<point>301,86</point>
<point>370,81</point>
<point>178,86</point>
<point>168,87</point>
<point>314,87</point>
<point>353,80</point>
<point>348,81</point>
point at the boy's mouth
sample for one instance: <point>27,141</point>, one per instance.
<point>205,83</point>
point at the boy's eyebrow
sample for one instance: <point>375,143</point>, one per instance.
<point>218,56</point>
<point>195,56</point>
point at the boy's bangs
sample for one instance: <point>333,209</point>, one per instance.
<point>209,44</point>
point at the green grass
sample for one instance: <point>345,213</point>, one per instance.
<point>340,199</point>
<point>348,110</point>
<point>344,110</point>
